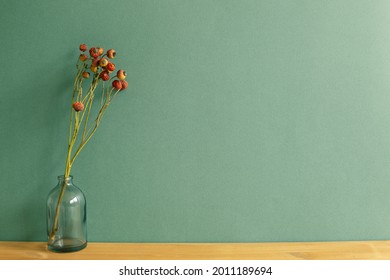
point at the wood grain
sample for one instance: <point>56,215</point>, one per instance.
<point>350,250</point>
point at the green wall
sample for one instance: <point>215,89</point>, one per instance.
<point>244,120</point>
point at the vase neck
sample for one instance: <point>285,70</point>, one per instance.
<point>67,180</point>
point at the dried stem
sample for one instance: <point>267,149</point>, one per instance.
<point>78,119</point>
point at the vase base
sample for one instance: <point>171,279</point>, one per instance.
<point>67,245</point>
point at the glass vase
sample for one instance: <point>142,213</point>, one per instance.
<point>66,217</point>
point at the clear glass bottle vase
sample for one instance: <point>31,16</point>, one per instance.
<point>66,217</point>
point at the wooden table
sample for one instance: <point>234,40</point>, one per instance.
<point>350,250</point>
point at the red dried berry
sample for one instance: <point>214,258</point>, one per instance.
<point>103,62</point>
<point>111,53</point>
<point>121,74</point>
<point>93,68</point>
<point>83,47</point>
<point>83,57</point>
<point>95,62</point>
<point>125,84</point>
<point>100,51</point>
<point>117,84</point>
<point>104,76</point>
<point>110,66</point>
<point>78,106</point>
<point>85,75</point>
<point>94,52</point>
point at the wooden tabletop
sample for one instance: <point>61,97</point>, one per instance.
<point>350,250</point>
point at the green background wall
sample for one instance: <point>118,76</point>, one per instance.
<point>244,120</point>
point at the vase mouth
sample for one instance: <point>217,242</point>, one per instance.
<point>62,177</point>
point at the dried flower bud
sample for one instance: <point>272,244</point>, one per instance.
<point>104,76</point>
<point>117,84</point>
<point>85,75</point>
<point>110,66</point>
<point>111,53</point>
<point>121,74</point>
<point>78,106</point>
<point>125,84</point>
<point>103,62</point>
<point>83,57</point>
<point>83,47</point>
<point>94,52</point>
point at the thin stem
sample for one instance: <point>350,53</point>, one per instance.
<point>89,134</point>
<point>75,86</point>
<point>89,105</point>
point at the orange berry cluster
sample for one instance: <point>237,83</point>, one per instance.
<point>102,65</point>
